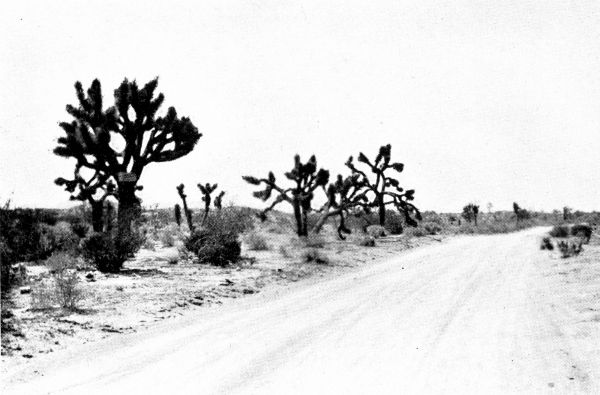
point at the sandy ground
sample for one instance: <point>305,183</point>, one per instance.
<point>475,314</point>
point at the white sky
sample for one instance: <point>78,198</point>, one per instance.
<point>482,102</point>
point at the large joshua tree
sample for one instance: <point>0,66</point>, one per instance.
<point>383,189</point>
<point>305,180</point>
<point>146,138</point>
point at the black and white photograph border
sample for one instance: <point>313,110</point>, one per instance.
<point>300,197</point>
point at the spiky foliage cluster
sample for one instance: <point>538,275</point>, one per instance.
<point>470,213</point>
<point>343,196</point>
<point>305,180</point>
<point>384,189</point>
<point>147,138</point>
<point>186,209</point>
<point>207,190</point>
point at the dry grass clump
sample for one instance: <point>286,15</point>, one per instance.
<point>366,241</point>
<point>313,255</point>
<point>64,287</point>
<point>256,242</point>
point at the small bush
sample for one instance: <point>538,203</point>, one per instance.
<point>315,256</point>
<point>560,231</point>
<point>314,241</point>
<point>68,291</point>
<point>582,230</point>
<point>366,241</point>
<point>214,247</point>
<point>101,250</point>
<point>416,232</point>
<point>394,223</point>
<point>42,295</point>
<point>376,231</point>
<point>431,228</point>
<point>570,247</point>
<point>65,289</point>
<point>256,242</point>
<point>546,244</point>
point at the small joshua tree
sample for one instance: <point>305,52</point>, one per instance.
<point>343,195</point>
<point>470,213</point>
<point>93,190</point>
<point>383,189</point>
<point>178,214</point>
<point>219,200</point>
<point>520,213</point>
<point>305,180</point>
<point>133,119</point>
<point>207,191</point>
<point>186,210</point>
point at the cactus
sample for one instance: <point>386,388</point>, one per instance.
<point>385,190</point>
<point>306,179</point>
<point>178,215</point>
<point>147,139</point>
<point>186,210</point>
<point>470,213</point>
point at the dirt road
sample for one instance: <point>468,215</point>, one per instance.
<point>470,315</point>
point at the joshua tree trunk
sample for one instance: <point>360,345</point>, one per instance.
<point>97,215</point>
<point>128,212</point>
<point>381,206</point>
<point>298,217</point>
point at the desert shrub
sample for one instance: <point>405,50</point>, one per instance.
<point>64,237</point>
<point>284,252</point>
<point>314,241</point>
<point>214,246</point>
<point>366,241</point>
<point>416,232</point>
<point>315,256</point>
<point>256,242</point>
<point>570,247</point>
<point>43,295</point>
<point>376,231</point>
<point>394,223</point>
<point>560,231</point>
<point>68,290</point>
<point>431,228</point>
<point>65,288</point>
<point>167,239</point>
<point>169,235</point>
<point>101,250</point>
<point>582,230</point>
<point>546,244</point>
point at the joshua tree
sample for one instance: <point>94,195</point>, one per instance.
<point>147,138</point>
<point>178,214</point>
<point>219,200</point>
<point>520,213</point>
<point>186,210</point>
<point>384,189</point>
<point>94,190</point>
<point>470,213</point>
<point>567,213</point>
<point>207,191</point>
<point>344,195</point>
<point>306,179</point>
